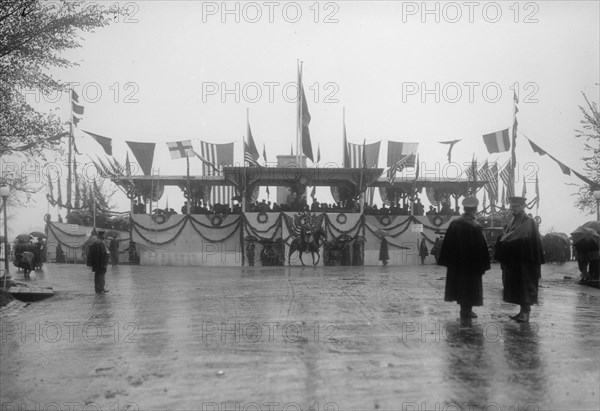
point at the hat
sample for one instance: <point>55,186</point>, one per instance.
<point>517,200</point>
<point>470,202</point>
<point>99,233</point>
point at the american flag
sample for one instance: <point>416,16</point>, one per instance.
<point>216,157</point>
<point>492,185</point>
<point>505,176</point>
<point>250,151</point>
<point>400,155</point>
<point>369,157</point>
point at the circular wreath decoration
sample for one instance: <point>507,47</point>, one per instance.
<point>159,218</point>
<point>437,220</point>
<point>385,220</point>
<point>262,218</point>
<point>216,220</point>
<point>341,218</point>
<point>538,219</point>
<point>47,218</point>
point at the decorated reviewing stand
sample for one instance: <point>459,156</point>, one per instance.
<point>293,237</point>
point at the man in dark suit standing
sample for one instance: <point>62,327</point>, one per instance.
<point>465,253</point>
<point>520,253</point>
<point>98,259</point>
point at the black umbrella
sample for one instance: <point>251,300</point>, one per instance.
<point>38,234</point>
<point>24,237</point>
<point>111,233</point>
<point>585,234</point>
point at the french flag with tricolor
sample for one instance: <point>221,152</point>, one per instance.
<point>497,142</point>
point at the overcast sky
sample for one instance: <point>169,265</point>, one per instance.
<point>182,70</point>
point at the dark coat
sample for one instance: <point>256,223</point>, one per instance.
<point>383,250</point>
<point>520,253</point>
<point>465,253</point>
<point>97,256</point>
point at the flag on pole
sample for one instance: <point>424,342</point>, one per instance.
<point>265,158</point>
<point>347,163</point>
<point>505,176</point>
<point>180,149</point>
<point>497,142</point>
<point>417,168</point>
<point>143,154</point>
<point>105,142</point>
<point>492,185</point>
<point>537,193</point>
<point>363,155</point>
<point>319,153</point>
<point>451,144</point>
<point>127,165</point>
<point>76,108</point>
<point>514,128</point>
<point>250,151</point>
<point>400,155</point>
<point>304,122</point>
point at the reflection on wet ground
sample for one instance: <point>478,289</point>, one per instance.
<point>270,338</point>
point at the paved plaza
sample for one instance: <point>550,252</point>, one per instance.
<point>276,338</point>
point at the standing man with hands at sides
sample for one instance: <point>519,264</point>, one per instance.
<point>520,253</point>
<point>97,258</point>
<point>465,254</point>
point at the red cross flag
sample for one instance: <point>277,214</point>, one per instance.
<point>180,149</point>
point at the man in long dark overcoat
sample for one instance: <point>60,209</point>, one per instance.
<point>520,253</point>
<point>465,253</point>
<point>97,258</point>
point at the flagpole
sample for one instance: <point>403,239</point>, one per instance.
<point>189,184</point>
<point>344,142</point>
<point>69,174</point>
<point>298,112</point>
<point>244,161</point>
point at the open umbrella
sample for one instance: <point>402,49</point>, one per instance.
<point>24,237</point>
<point>111,233</point>
<point>585,234</point>
<point>595,225</point>
<point>37,234</point>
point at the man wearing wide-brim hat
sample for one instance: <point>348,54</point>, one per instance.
<point>520,253</point>
<point>465,253</point>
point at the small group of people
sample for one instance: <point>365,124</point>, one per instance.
<point>465,254</point>
<point>29,255</point>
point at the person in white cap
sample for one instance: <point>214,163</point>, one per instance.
<point>520,253</point>
<point>465,254</point>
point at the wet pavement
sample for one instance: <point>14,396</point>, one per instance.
<point>275,338</point>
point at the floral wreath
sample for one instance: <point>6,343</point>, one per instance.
<point>47,218</point>
<point>341,218</point>
<point>385,220</point>
<point>437,220</point>
<point>159,218</point>
<point>262,218</point>
<point>216,220</point>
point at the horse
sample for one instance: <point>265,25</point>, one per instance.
<point>309,241</point>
